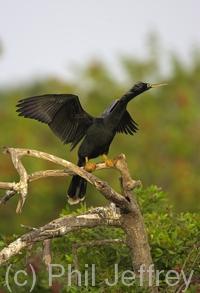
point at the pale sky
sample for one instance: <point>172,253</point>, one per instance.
<point>42,38</point>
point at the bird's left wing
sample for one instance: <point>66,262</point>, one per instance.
<point>126,125</point>
<point>62,112</point>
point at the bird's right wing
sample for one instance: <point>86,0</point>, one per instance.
<point>126,125</point>
<point>62,112</point>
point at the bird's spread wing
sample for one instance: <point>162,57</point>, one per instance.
<point>127,124</point>
<point>63,113</point>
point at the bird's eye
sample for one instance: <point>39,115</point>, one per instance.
<point>148,85</point>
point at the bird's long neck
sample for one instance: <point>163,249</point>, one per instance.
<point>131,94</point>
<point>120,108</point>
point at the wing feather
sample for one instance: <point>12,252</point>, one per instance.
<point>63,113</point>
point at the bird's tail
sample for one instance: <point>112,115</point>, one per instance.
<point>77,188</point>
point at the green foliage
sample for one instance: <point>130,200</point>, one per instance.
<point>172,236</point>
<point>174,240</point>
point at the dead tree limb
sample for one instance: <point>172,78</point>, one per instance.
<point>22,186</point>
<point>126,216</point>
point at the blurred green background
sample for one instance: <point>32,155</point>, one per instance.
<point>164,152</point>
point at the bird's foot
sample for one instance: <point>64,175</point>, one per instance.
<point>89,167</point>
<point>108,162</point>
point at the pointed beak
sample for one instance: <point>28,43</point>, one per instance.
<point>158,84</point>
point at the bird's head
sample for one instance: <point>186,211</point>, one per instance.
<point>141,87</point>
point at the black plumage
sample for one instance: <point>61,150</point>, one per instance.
<point>68,120</point>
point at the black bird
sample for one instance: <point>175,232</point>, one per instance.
<point>68,120</point>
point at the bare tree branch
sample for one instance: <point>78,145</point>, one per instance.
<point>122,212</point>
<point>60,227</point>
<point>47,253</point>
<point>22,186</point>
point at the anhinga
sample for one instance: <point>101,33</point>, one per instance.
<point>67,119</point>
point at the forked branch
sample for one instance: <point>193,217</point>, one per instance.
<point>122,212</point>
<point>22,186</point>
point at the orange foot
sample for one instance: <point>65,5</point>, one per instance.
<point>108,162</point>
<point>89,167</point>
